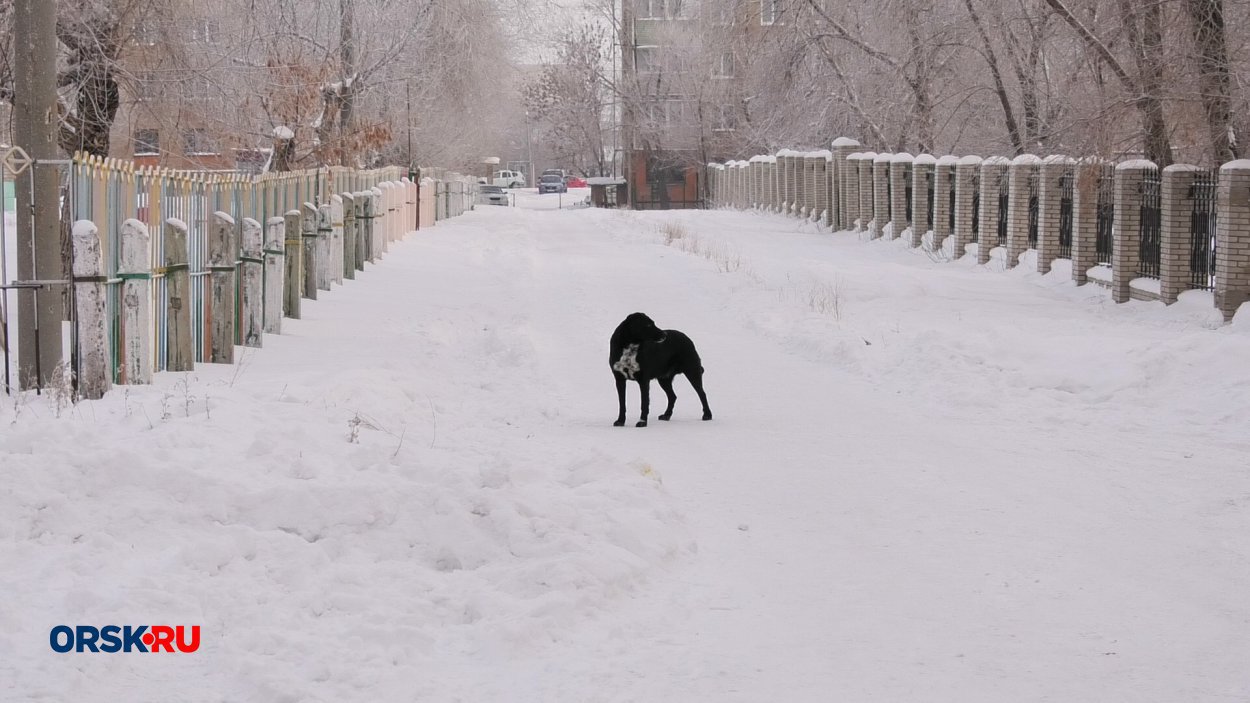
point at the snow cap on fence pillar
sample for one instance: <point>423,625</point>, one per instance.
<point>844,142</point>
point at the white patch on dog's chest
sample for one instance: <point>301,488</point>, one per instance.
<point>627,365</point>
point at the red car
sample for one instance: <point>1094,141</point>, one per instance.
<point>575,182</point>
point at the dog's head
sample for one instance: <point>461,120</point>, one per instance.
<point>640,328</point>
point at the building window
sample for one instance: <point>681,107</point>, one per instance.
<point>663,9</point>
<point>725,119</point>
<point>147,31</point>
<point>196,89</point>
<point>196,142</point>
<point>204,31</point>
<point>646,59</point>
<point>770,11</point>
<point>722,12</point>
<point>147,87</point>
<point>724,66</point>
<point>147,142</point>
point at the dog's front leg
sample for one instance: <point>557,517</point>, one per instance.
<point>644,387</point>
<point>620,398</point>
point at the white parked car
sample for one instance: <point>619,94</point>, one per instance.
<point>509,179</point>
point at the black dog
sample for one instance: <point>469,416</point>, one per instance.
<point>640,351</point>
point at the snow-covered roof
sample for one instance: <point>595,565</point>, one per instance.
<point>605,181</point>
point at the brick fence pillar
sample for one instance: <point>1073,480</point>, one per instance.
<point>967,175</point>
<point>880,195</point>
<point>1177,205</point>
<point>821,167</point>
<point>1022,180</point>
<point>1232,239</point>
<point>943,184</point>
<point>784,181</point>
<point>1049,206</point>
<point>843,147</point>
<point>1088,175</point>
<point>994,171</point>
<point>866,160</point>
<point>900,179</point>
<point>796,183</point>
<point>850,192</point>
<point>807,190</point>
<point>1126,256</point>
<point>922,174</point>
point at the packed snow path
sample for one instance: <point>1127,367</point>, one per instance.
<point>925,481</point>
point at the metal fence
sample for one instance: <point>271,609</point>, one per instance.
<point>1034,179</point>
<point>1066,184</point>
<point>1151,224</point>
<point>976,207</point>
<point>1105,209</point>
<point>1004,201</point>
<point>1202,229</point>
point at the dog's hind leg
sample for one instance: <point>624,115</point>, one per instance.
<point>620,397</point>
<point>644,387</point>
<point>696,380</point>
<point>667,385</point>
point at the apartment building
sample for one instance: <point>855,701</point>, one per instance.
<point>683,90</point>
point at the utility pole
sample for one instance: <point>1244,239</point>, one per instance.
<point>40,309</point>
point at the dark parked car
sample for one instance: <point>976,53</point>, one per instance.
<point>491,195</point>
<point>552,184</point>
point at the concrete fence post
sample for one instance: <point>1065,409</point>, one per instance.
<point>900,180</point>
<point>1175,232</point>
<point>350,263</point>
<point>308,222</point>
<point>135,326</point>
<point>1050,193</point>
<point>841,202</point>
<point>1022,187</point>
<point>994,174</point>
<point>375,224</point>
<point>91,340</point>
<point>880,196</point>
<point>325,254</point>
<point>336,238</point>
<point>923,176</point>
<point>252,287</point>
<point>274,272</point>
<point>179,345</point>
<point>1232,238</point>
<point>223,252</point>
<point>359,201</point>
<point>1126,256</point>
<point>293,281</point>
<point>967,197</point>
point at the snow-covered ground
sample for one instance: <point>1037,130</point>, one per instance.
<point>925,481</point>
